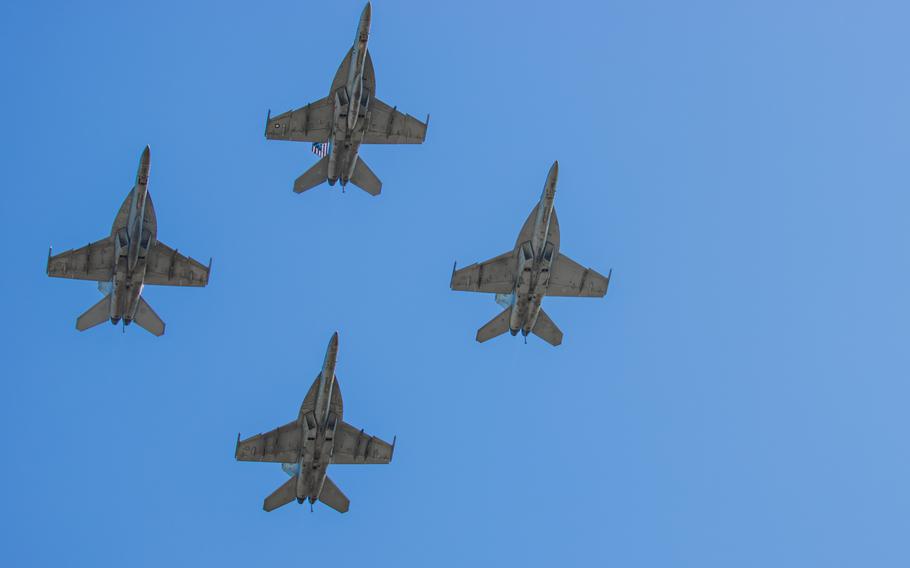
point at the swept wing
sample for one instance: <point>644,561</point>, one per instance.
<point>496,276</point>
<point>354,446</point>
<point>94,261</point>
<point>166,266</point>
<point>388,126</point>
<point>568,278</point>
<point>310,123</point>
<point>281,445</point>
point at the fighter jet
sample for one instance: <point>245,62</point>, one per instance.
<point>350,116</point>
<point>129,258</point>
<point>317,438</point>
<point>535,268</point>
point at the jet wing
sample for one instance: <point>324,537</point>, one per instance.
<point>568,278</point>
<point>353,446</point>
<point>388,126</point>
<point>496,276</point>
<point>281,445</point>
<point>167,267</point>
<point>311,123</point>
<point>94,261</point>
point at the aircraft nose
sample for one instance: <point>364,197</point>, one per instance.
<point>146,154</point>
<point>549,188</point>
<point>365,17</point>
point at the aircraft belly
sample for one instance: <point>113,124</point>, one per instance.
<point>304,481</point>
<point>524,306</point>
<point>308,454</point>
<point>333,164</point>
<point>131,303</point>
<point>533,312</point>
<point>352,163</point>
<point>515,318</point>
<point>116,300</point>
<point>346,161</point>
<point>133,288</point>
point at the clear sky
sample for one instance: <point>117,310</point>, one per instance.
<point>739,398</point>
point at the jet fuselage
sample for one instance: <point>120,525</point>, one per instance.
<point>132,243</point>
<point>533,268</point>
<point>535,256</point>
<point>358,59</point>
<point>351,105</point>
<point>318,430</point>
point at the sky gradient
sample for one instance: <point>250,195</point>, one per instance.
<point>738,398</point>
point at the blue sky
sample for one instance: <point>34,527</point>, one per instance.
<point>738,398</point>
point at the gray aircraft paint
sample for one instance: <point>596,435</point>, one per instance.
<point>316,439</point>
<point>128,259</point>
<point>534,268</point>
<point>349,116</point>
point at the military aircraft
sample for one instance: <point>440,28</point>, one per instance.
<point>317,438</point>
<point>535,268</point>
<point>350,116</point>
<point>129,258</point>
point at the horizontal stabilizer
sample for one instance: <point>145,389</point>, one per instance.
<point>545,329</point>
<point>99,313</point>
<point>314,176</point>
<point>148,319</point>
<point>333,497</point>
<point>494,327</point>
<point>282,496</point>
<point>365,179</point>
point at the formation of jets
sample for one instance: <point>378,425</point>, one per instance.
<point>336,125</point>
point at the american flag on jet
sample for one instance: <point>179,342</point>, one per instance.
<point>321,148</point>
